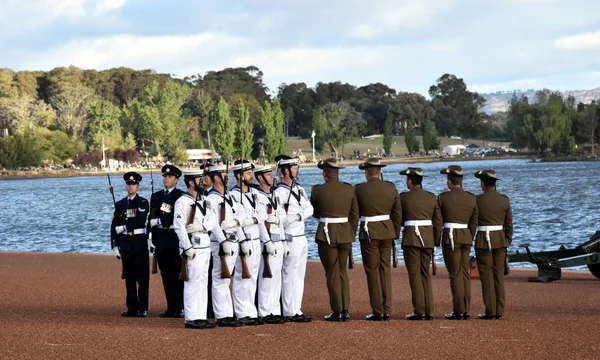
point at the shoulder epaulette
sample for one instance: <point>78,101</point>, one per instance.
<point>470,193</point>
<point>346,183</point>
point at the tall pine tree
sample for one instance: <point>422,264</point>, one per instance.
<point>224,130</point>
<point>410,137</point>
<point>430,138</point>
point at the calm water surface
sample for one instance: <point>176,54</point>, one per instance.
<point>552,203</point>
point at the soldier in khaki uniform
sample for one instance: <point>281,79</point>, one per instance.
<point>335,206</point>
<point>493,237</point>
<point>422,227</point>
<point>460,215</point>
<point>381,217</point>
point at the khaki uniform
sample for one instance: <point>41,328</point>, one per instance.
<point>458,207</point>
<point>333,200</point>
<point>494,209</point>
<point>418,204</point>
<point>376,197</point>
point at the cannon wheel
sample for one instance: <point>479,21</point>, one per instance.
<point>594,269</point>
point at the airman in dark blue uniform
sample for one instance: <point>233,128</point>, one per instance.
<point>129,242</point>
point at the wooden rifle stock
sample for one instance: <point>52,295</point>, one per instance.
<point>394,254</point>
<point>225,273</point>
<point>245,271</point>
<point>433,263</point>
<point>183,273</point>
<point>266,265</point>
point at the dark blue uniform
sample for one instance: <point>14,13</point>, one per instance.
<point>133,246</point>
<point>167,249</point>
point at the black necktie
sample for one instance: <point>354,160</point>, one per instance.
<point>166,192</point>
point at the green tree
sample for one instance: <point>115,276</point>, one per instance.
<point>319,124</point>
<point>240,116</point>
<point>333,134</point>
<point>587,126</point>
<point>20,150</point>
<point>224,130</point>
<point>71,103</point>
<point>410,138</point>
<point>104,124</point>
<point>279,124</point>
<point>272,139</point>
<point>387,134</point>
<point>430,136</point>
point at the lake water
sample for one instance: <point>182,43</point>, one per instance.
<point>553,204</point>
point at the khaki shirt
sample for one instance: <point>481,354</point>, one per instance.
<point>459,206</point>
<point>418,204</point>
<point>335,199</point>
<point>376,197</point>
<point>494,209</point>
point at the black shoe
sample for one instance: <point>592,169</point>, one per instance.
<point>199,324</point>
<point>251,321</point>
<point>142,313</point>
<point>129,313</point>
<point>428,317</point>
<point>299,318</point>
<point>498,317</point>
<point>273,319</point>
<point>486,317</point>
<point>454,316</point>
<point>466,316</point>
<point>345,315</point>
<point>375,317</point>
<point>334,316</point>
<point>168,314</point>
<point>387,317</point>
<point>229,322</point>
<point>414,317</point>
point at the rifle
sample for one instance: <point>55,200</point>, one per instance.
<point>394,254</point>
<point>225,273</point>
<point>350,259</point>
<point>183,273</point>
<point>118,218</point>
<point>506,266</point>
<point>267,267</point>
<point>152,213</point>
<point>433,263</point>
<point>245,270</point>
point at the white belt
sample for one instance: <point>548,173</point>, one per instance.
<point>136,232</point>
<point>416,224</point>
<point>162,227</point>
<point>368,219</point>
<point>328,221</point>
<point>487,229</point>
<point>453,226</point>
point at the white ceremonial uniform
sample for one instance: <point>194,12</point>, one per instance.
<point>195,292</point>
<point>244,290</point>
<point>269,289</point>
<point>221,295</point>
<point>294,265</point>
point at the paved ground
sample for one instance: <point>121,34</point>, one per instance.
<point>59,306</point>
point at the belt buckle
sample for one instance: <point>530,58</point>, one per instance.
<point>130,233</point>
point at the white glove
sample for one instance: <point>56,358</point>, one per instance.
<point>190,253</point>
<point>194,227</point>
<point>270,247</point>
<point>228,224</point>
<point>120,229</point>
<point>227,247</point>
<point>286,248</point>
<point>248,222</point>
<point>272,219</point>
<point>117,252</point>
<point>290,219</point>
<point>151,246</point>
<point>246,248</point>
<point>154,222</point>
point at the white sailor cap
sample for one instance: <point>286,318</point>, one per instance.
<point>218,168</point>
<point>263,169</point>
<point>291,162</point>
<point>193,173</point>
<point>242,166</point>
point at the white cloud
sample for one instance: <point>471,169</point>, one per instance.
<point>578,42</point>
<point>387,16</point>
<point>18,16</point>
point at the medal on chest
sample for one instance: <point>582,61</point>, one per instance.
<point>166,208</point>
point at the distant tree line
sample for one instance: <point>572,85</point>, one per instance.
<point>69,114</point>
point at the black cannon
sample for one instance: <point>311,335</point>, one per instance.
<point>549,263</point>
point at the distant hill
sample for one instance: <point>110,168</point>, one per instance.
<point>498,101</point>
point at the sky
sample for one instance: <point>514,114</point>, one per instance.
<point>494,45</point>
